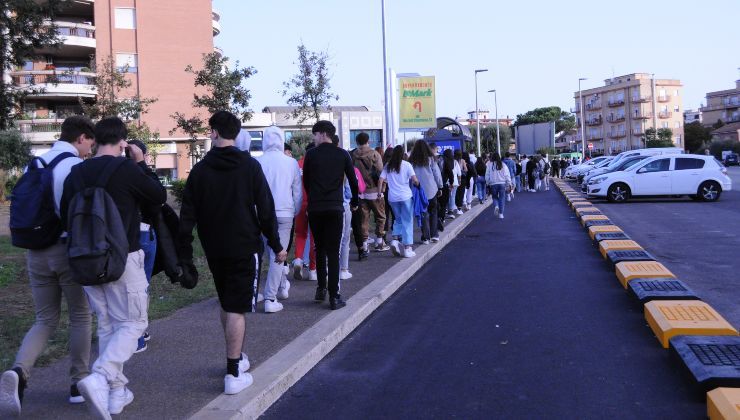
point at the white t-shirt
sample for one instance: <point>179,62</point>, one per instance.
<point>457,174</point>
<point>398,182</point>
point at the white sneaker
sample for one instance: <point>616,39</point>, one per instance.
<point>435,239</point>
<point>10,403</point>
<point>96,391</point>
<point>282,292</point>
<point>286,270</point>
<point>345,275</point>
<point>508,197</point>
<point>425,242</point>
<point>234,385</point>
<point>459,211</point>
<point>450,216</point>
<point>396,248</point>
<point>298,269</point>
<point>312,275</point>
<point>260,297</point>
<point>119,398</point>
<point>501,216</point>
<point>495,211</point>
<point>409,252</point>
<point>272,306</point>
<point>244,363</point>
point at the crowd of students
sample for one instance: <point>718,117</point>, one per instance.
<point>247,211</point>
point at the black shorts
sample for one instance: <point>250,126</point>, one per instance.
<point>236,281</point>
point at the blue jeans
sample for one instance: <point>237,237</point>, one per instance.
<point>499,196</point>
<point>148,242</point>
<point>403,226</point>
<point>518,183</point>
<point>480,187</point>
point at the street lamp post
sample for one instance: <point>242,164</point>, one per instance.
<point>477,114</point>
<point>495,106</point>
<point>583,119</point>
<point>387,125</point>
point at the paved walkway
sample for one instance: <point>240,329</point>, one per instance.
<point>183,368</point>
<point>519,318</point>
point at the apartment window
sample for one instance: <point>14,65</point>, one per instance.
<point>678,124</point>
<point>665,124</point>
<point>125,18</point>
<point>127,63</point>
<point>664,108</point>
<point>675,93</point>
<point>675,108</point>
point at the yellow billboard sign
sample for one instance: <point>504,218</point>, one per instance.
<point>416,102</point>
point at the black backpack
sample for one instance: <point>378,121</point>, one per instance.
<point>547,168</point>
<point>97,246</point>
<point>34,223</point>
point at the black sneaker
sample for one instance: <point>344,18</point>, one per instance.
<point>320,295</point>
<point>336,303</point>
<point>74,395</point>
<point>362,254</point>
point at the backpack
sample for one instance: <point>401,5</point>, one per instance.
<point>34,223</point>
<point>97,247</point>
<point>547,167</point>
<point>361,187</point>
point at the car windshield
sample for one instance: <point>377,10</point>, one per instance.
<point>619,160</point>
<point>629,163</point>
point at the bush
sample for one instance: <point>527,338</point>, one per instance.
<point>177,189</point>
<point>717,146</point>
<point>15,151</point>
<point>8,186</point>
<point>299,141</point>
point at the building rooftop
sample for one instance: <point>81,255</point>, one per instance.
<point>727,129</point>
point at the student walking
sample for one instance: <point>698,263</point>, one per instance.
<point>344,273</point>
<point>227,197</point>
<point>511,165</point>
<point>119,305</point>
<point>49,273</point>
<point>499,178</point>
<point>302,237</point>
<point>470,177</point>
<point>370,164</point>
<point>284,179</point>
<point>398,174</point>
<point>545,169</point>
<point>556,167</point>
<point>518,175</point>
<point>430,179</point>
<point>531,170</point>
<point>451,169</point>
<point>324,171</point>
<point>480,180</point>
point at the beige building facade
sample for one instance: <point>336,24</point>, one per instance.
<point>723,105</point>
<point>155,40</point>
<point>616,115</point>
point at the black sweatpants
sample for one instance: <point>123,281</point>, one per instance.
<point>326,228</point>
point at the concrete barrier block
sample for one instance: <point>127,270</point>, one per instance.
<point>616,257</point>
<point>670,318</point>
<point>646,290</point>
<point>587,217</point>
<point>593,230</point>
<point>713,361</point>
<point>723,404</point>
<point>585,209</point>
<point>627,271</point>
<point>617,245</point>
<point>610,236</point>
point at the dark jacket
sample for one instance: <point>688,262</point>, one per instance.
<point>228,199</point>
<point>324,170</point>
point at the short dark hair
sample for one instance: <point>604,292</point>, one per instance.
<point>226,124</point>
<point>76,125</point>
<point>325,127</point>
<point>287,147</point>
<point>110,131</point>
<point>507,154</point>
<point>335,139</point>
<point>140,144</point>
<point>362,139</point>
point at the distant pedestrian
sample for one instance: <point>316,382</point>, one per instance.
<point>50,279</point>
<point>531,173</point>
<point>470,176</point>
<point>544,167</point>
<point>372,201</point>
<point>304,243</point>
<point>462,177</point>
<point>518,176</point>
<point>430,179</point>
<point>563,167</point>
<point>229,200</point>
<point>556,167</point>
<point>399,173</point>
<point>324,171</point>
<point>511,165</point>
<point>499,178</point>
<point>284,178</point>
<point>450,178</point>
<point>480,180</point>
<point>525,172</point>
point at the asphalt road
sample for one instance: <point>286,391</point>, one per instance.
<point>698,242</point>
<point>519,318</point>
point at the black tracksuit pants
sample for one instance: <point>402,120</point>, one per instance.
<point>326,228</point>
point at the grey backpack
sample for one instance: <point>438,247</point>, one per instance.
<point>97,246</point>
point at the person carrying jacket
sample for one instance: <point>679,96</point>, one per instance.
<point>284,178</point>
<point>227,197</point>
<point>430,178</point>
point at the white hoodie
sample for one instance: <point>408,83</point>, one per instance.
<point>282,173</point>
<point>497,176</point>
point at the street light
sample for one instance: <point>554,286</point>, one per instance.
<point>387,124</point>
<point>477,114</point>
<point>495,105</point>
<point>583,119</point>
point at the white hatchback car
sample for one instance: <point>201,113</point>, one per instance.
<point>698,176</point>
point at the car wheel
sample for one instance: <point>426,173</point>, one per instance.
<point>618,193</point>
<point>709,191</point>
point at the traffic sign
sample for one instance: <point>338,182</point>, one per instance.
<point>590,146</point>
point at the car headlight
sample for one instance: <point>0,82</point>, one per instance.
<point>597,180</point>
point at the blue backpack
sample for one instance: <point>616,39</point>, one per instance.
<point>34,223</point>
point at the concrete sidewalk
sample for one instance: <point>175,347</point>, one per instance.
<point>182,371</point>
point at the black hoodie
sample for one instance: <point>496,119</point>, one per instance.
<point>228,198</point>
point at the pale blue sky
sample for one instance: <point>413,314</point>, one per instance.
<point>533,50</point>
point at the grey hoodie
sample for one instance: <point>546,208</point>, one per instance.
<point>282,174</point>
<point>430,178</point>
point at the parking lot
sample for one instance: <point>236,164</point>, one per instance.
<point>699,242</point>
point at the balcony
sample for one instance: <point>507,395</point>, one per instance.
<point>665,115</point>
<point>732,118</point>
<point>638,131</point>
<point>77,39</point>
<point>616,102</point>
<point>642,99</point>
<point>594,121</point>
<point>594,136</point>
<point>593,106</point>
<point>41,130</point>
<point>664,98</point>
<point>642,115</point>
<point>617,134</point>
<point>215,22</point>
<point>53,84</point>
<point>615,118</point>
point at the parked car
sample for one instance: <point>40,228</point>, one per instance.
<point>572,171</point>
<point>581,173</point>
<point>698,176</point>
<point>620,158</point>
<point>623,165</point>
<point>732,159</point>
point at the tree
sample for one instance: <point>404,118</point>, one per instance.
<point>696,136</point>
<point>26,26</point>
<point>718,124</point>
<point>15,151</point>
<point>663,137</point>
<point>309,90</point>
<point>564,120</point>
<point>298,142</point>
<point>488,138</point>
<point>110,82</point>
<point>224,93</point>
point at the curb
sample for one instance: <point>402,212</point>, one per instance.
<point>281,371</point>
